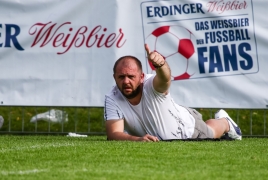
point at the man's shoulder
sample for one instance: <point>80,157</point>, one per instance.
<point>113,91</point>
<point>114,95</point>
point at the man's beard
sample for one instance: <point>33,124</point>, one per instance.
<point>133,94</point>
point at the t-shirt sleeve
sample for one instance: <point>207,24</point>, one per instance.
<point>149,86</point>
<point>111,110</point>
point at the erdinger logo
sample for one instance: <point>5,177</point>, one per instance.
<point>10,32</point>
<point>176,45</point>
<point>196,42</point>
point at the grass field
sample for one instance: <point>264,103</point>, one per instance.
<point>61,157</point>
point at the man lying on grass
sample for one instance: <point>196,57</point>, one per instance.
<point>140,107</point>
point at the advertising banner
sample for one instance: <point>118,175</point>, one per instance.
<point>61,53</point>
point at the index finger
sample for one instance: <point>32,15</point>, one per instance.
<point>147,49</point>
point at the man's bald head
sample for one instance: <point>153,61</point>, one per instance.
<point>126,60</point>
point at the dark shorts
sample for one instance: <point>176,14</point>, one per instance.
<point>201,130</point>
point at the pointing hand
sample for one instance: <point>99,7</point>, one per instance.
<point>155,58</point>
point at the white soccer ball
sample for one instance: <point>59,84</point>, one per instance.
<point>177,45</point>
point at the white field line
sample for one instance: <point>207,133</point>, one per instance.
<point>6,173</point>
<point>36,147</point>
<point>33,171</point>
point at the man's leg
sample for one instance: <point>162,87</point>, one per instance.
<point>215,128</point>
<point>201,129</point>
<point>218,126</point>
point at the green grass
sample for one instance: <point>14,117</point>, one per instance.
<point>60,157</point>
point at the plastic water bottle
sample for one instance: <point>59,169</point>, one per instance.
<point>1,121</point>
<point>53,115</point>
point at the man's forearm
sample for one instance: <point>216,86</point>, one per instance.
<point>162,79</point>
<point>121,136</point>
<point>164,73</point>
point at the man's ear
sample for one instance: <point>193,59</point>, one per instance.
<point>142,77</point>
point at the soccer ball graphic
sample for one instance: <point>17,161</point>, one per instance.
<point>177,45</point>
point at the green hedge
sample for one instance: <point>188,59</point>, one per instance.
<point>90,120</point>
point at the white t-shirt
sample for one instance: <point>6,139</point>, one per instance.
<point>156,114</point>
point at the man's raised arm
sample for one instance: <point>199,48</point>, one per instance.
<point>162,79</point>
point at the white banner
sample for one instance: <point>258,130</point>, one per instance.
<point>61,53</point>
